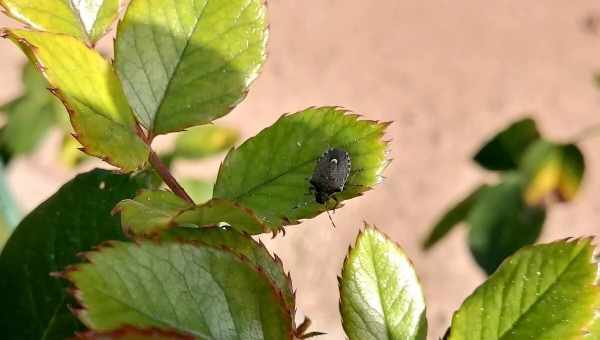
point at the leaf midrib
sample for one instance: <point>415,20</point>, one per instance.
<point>179,62</point>
<point>543,294</point>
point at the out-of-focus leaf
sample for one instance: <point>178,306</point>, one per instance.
<point>31,115</point>
<point>155,211</point>
<point>34,305</point>
<point>270,172</point>
<point>132,333</point>
<point>255,253</point>
<point>381,298</point>
<point>87,20</point>
<point>207,292</point>
<point>100,115</point>
<point>458,213</point>
<point>501,223</point>
<point>200,191</point>
<point>69,153</point>
<point>204,141</point>
<point>552,169</point>
<point>187,62</point>
<point>543,292</point>
<point>504,151</point>
<point>9,213</point>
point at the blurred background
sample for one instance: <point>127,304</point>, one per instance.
<point>449,73</point>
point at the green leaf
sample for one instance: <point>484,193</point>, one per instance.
<point>504,151</point>
<point>458,213</point>
<point>100,115</point>
<point>545,292</point>
<point>34,305</point>
<point>30,116</point>
<point>150,212</point>
<point>270,172</point>
<point>87,20</point>
<point>199,190</point>
<point>241,244</point>
<point>187,62</point>
<point>204,141</point>
<point>155,211</point>
<point>552,169</point>
<point>197,289</point>
<point>132,333</point>
<point>501,223</point>
<point>381,297</point>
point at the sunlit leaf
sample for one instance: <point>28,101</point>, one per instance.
<point>501,223</point>
<point>87,20</point>
<point>255,253</point>
<point>192,288</point>
<point>187,62</point>
<point>35,305</point>
<point>381,298</point>
<point>543,292</point>
<point>101,117</point>
<point>552,169</point>
<point>155,211</point>
<point>504,151</point>
<point>204,141</point>
<point>455,215</point>
<point>270,172</point>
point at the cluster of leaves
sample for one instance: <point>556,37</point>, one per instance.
<point>172,268</point>
<point>505,216</point>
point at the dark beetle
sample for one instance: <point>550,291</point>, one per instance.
<point>330,175</point>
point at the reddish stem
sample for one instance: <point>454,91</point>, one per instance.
<point>167,177</point>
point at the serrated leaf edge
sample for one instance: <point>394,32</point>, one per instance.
<point>80,311</point>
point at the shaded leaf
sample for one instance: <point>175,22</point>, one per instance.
<point>99,111</point>
<point>150,212</point>
<point>458,213</point>
<point>199,190</point>
<point>255,253</point>
<point>34,305</point>
<point>132,333</point>
<point>204,141</point>
<point>171,53</point>
<point>87,20</point>
<point>544,292</point>
<point>501,223</point>
<point>156,211</point>
<point>203,291</point>
<point>31,115</point>
<point>381,297</point>
<point>552,169</point>
<point>504,151</point>
<point>270,172</point>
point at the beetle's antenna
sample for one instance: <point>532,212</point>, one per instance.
<point>331,219</point>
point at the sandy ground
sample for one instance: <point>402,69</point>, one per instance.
<point>449,73</point>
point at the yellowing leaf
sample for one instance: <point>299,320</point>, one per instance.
<point>552,169</point>
<point>91,91</point>
<point>87,20</point>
